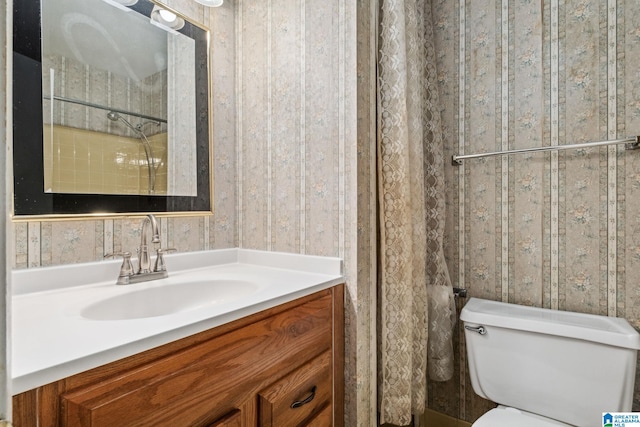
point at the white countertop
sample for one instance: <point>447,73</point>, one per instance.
<point>51,339</point>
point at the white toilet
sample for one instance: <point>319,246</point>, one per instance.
<point>548,368</point>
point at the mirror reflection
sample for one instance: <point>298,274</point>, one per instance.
<point>110,109</point>
<point>119,113</point>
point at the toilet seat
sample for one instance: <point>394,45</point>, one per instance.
<point>503,416</point>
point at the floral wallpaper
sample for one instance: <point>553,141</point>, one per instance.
<point>557,230</point>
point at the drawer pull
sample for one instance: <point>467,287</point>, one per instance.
<point>299,403</point>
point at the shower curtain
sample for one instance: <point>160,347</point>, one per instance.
<point>416,310</point>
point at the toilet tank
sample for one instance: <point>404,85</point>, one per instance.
<point>567,366</point>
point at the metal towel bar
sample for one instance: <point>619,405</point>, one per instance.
<point>632,143</point>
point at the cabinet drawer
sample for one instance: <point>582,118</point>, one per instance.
<point>299,396</point>
<point>323,419</point>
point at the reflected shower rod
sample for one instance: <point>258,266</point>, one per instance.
<point>103,107</point>
<point>631,143</point>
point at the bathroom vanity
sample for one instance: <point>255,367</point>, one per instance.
<point>274,360</point>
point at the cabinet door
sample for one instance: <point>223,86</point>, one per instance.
<point>206,381</point>
<point>298,397</point>
<point>323,419</point>
<point>232,419</point>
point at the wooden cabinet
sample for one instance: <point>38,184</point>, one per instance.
<point>298,396</point>
<point>232,419</point>
<point>281,367</point>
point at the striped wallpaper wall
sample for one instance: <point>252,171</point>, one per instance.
<point>293,162</point>
<point>293,94</point>
<point>561,229</point>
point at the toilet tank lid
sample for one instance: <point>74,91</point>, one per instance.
<point>606,330</point>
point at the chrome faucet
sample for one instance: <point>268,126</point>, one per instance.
<point>144,272</point>
<point>144,263</point>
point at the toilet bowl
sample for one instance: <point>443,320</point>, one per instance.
<point>506,416</point>
<point>548,368</point>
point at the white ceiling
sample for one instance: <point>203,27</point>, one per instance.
<point>99,34</point>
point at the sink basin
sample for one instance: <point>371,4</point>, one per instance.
<point>168,299</point>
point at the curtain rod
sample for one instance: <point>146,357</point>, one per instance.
<point>104,107</point>
<point>632,143</point>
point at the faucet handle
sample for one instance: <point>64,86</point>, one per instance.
<point>126,269</point>
<point>160,258</point>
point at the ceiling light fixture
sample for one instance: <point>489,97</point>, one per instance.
<point>166,18</point>
<point>211,3</point>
